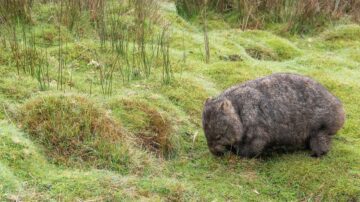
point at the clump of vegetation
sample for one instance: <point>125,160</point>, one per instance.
<point>152,128</point>
<point>299,16</point>
<point>265,46</point>
<point>71,13</point>
<point>12,11</point>
<point>74,130</point>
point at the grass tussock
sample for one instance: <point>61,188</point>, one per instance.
<point>152,128</point>
<point>74,130</point>
<point>265,46</point>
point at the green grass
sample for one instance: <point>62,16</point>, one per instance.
<point>32,169</point>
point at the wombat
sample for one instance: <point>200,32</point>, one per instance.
<point>282,110</point>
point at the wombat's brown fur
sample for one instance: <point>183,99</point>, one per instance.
<point>280,110</point>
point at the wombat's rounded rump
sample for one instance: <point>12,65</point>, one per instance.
<point>278,111</point>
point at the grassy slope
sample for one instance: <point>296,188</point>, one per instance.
<point>193,173</point>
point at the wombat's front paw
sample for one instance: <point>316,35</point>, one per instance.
<point>318,154</point>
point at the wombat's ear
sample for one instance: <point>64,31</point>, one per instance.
<point>207,100</point>
<point>225,105</point>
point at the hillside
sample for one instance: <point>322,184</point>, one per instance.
<point>103,130</point>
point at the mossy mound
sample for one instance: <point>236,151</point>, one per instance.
<point>152,128</point>
<point>340,37</point>
<point>262,45</point>
<point>75,131</point>
<point>344,32</point>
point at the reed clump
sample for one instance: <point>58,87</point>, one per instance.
<point>300,16</point>
<point>12,11</point>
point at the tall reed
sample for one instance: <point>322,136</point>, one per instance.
<point>42,72</point>
<point>100,22</point>
<point>206,36</point>
<point>106,75</point>
<point>145,17</point>
<point>15,49</point>
<point>164,43</point>
<point>61,61</point>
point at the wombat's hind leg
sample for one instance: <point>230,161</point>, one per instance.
<point>320,143</point>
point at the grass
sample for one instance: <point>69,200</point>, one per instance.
<point>28,176</point>
<point>17,88</point>
<point>161,152</point>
